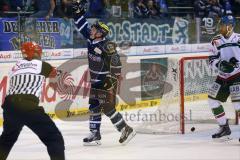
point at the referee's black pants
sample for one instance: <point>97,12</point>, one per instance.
<point>15,117</point>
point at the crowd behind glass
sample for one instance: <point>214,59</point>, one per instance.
<point>155,9</point>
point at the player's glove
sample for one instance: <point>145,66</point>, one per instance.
<point>108,83</point>
<point>78,7</point>
<point>225,67</point>
<point>234,61</point>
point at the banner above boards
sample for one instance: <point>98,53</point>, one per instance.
<point>51,34</point>
<point>57,33</point>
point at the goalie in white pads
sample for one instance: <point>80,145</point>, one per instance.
<point>225,56</point>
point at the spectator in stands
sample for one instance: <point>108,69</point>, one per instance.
<point>23,5</point>
<point>4,6</point>
<point>97,9</point>
<point>63,9</point>
<point>208,8</point>
<point>227,6</point>
<point>154,10</point>
<point>44,8</point>
<point>16,4</point>
<point>59,10</point>
<point>163,7</point>
<point>130,8</point>
<point>236,7</point>
<point>67,5</point>
<point>214,9</point>
<point>200,8</point>
<point>140,9</point>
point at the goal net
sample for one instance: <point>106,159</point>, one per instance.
<point>186,105</point>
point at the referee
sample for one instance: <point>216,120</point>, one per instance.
<point>21,108</point>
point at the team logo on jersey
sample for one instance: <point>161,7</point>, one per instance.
<point>94,57</point>
<point>28,65</point>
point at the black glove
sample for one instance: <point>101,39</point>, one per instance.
<point>226,67</point>
<point>78,7</point>
<point>108,83</point>
<point>234,61</point>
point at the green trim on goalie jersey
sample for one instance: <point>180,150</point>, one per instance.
<point>218,111</point>
<point>228,45</point>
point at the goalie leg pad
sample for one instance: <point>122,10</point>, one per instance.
<point>235,92</point>
<point>213,103</point>
<point>218,111</point>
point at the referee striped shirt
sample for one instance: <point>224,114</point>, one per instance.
<point>27,77</point>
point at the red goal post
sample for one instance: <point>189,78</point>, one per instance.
<point>182,62</point>
<point>185,98</point>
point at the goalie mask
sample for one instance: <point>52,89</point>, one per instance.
<point>31,50</point>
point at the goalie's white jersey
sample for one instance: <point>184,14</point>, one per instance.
<point>225,49</point>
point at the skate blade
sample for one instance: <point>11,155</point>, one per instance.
<point>222,139</point>
<point>129,137</point>
<point>93,143</point>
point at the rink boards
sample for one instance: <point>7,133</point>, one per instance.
<point>72,99</point>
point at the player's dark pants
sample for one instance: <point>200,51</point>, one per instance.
<point>102,100</point>
<point>15,117</point>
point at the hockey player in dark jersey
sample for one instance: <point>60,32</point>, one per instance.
<point>21,105</point>
<point>105,70</point>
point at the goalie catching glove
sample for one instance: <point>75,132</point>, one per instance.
<point>78,7</point>
<point>227,67</point>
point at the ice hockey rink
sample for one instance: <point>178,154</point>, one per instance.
<point>196,145</point>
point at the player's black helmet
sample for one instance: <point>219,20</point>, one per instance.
<point>101,27</point>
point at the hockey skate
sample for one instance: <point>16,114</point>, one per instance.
<point>127,134</point>
<point>94,139</point>
<point>223,132</point>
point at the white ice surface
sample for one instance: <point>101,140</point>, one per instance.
<point>197,145</point>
